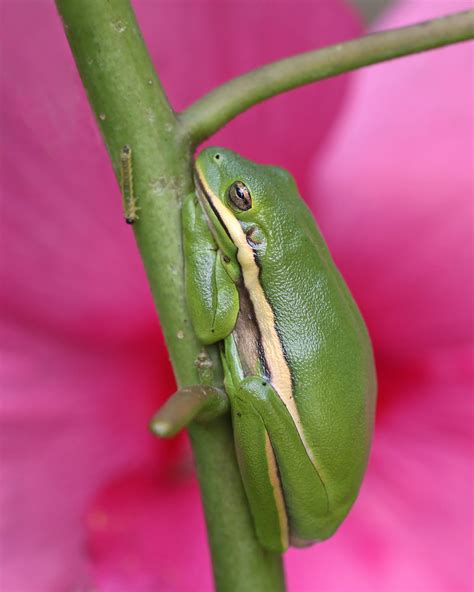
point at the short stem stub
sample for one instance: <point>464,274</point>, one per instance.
<point>193,403</point>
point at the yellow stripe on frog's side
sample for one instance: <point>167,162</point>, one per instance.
<point>277,492</point>
<point>277,365</point>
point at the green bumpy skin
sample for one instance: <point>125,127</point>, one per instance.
<point>298,362</point>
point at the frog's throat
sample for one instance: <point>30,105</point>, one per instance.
<point>273,351</point>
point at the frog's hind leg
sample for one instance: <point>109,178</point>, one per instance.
<point>259,475</point>
<point>259,413</point>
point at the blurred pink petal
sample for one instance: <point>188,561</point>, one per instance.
<point>393,196</point>
<point>73,417</point>
<point>84,364</point>
<point>147,533</point>
<point>395,191</point>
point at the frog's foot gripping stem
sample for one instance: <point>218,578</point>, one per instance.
<point>195,403</point>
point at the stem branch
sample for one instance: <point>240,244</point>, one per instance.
<point>214,110</point>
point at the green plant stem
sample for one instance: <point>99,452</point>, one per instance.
<point>131,108</point>
<point>214,110</point>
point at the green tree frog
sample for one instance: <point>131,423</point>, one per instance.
<point>298,363</point>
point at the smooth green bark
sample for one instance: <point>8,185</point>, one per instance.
<point>131,108</point>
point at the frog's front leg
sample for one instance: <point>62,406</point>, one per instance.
<point>211,294</point>
<point>287,496</point>
<point>213,305</point>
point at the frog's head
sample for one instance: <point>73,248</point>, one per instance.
<point>241,199</point>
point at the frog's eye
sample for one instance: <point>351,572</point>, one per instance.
<point>239,196</point>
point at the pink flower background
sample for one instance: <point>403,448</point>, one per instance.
<point>90,500</point>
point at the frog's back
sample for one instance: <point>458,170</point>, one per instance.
<point>326,343</point>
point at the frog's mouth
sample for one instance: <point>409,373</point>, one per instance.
<point>220,219</point>
<point>207,203</point>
